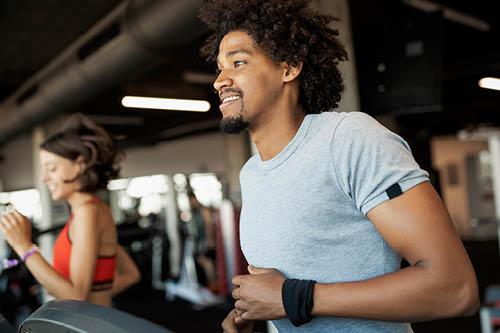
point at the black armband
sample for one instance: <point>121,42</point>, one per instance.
<point>298,300</point>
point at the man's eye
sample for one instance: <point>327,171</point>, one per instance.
<point>238,63</point>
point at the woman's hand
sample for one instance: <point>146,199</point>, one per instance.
<point>17,230</point>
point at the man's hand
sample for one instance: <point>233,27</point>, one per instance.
<point>258,295</point>
<point>233,323</point>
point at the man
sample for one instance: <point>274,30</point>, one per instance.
<point>332,200</point>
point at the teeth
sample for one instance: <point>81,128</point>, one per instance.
<point>230,98</point>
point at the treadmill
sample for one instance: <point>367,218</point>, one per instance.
<point>68,316</point>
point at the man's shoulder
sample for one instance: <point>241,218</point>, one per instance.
<point>356,126</point>
<point>331,120</point>
<point>326,125</point>
<point>250,164</point>
<point>346,118</point>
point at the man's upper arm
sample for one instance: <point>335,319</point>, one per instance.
<point>368,159</point>
<point>417,226</point>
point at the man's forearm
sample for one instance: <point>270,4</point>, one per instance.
<point>412,294</point>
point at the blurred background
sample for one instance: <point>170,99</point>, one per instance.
<point>425,69</point>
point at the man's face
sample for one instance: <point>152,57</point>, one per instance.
<point>249,82</point>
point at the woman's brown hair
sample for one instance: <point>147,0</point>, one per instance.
<point>83,137</point>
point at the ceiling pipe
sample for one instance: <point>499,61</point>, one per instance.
<point>132,37</point>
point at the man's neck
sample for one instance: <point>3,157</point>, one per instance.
<point>273,136</point>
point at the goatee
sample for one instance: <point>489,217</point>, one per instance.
<point>233,125</point>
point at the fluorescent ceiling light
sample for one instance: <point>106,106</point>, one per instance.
<point>466,19</point>
<point>165,103</point>
<point>490,83</point>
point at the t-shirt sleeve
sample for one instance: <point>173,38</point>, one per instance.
<point>371,163</point>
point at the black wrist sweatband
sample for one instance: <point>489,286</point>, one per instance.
<point>298,300</point>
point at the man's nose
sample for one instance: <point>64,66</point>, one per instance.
<point>222,80</point>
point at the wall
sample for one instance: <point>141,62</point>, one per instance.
<point>208,152</point>
<point>188,155</point>
<point>448,151</point>
<point>16,169</point>
<point>340,10</point>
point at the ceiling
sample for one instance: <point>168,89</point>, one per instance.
<point>38,31</point>
<point>33,32</point>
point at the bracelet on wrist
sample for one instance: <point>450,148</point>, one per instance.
<point>9,263</point>
<point>31,251</point>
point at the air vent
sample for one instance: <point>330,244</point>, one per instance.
<point>98,41</point>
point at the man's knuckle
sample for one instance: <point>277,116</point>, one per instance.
<point>243,294</point>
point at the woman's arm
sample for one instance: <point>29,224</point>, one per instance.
<point>126,274</point>
<point>17,230</point>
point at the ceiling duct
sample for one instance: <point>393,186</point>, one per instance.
<point>129,39</point>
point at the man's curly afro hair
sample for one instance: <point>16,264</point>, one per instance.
<point>289,31</point>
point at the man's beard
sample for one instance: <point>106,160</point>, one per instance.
<point>233,125</point>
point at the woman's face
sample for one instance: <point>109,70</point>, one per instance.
<point>55,171</point>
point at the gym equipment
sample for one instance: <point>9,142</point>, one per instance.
<point>68,316</point>
<point>188,287</point>
<point>5,327</point>
<point>489,313</point>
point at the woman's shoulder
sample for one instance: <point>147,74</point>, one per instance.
<point>87,213</point>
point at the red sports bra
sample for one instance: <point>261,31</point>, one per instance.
<point>104,269</point>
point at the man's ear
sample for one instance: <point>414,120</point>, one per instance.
<point>291,72</point>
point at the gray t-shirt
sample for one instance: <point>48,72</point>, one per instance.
<point>304,211</point>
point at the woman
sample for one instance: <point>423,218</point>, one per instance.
<point>88,263</point>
